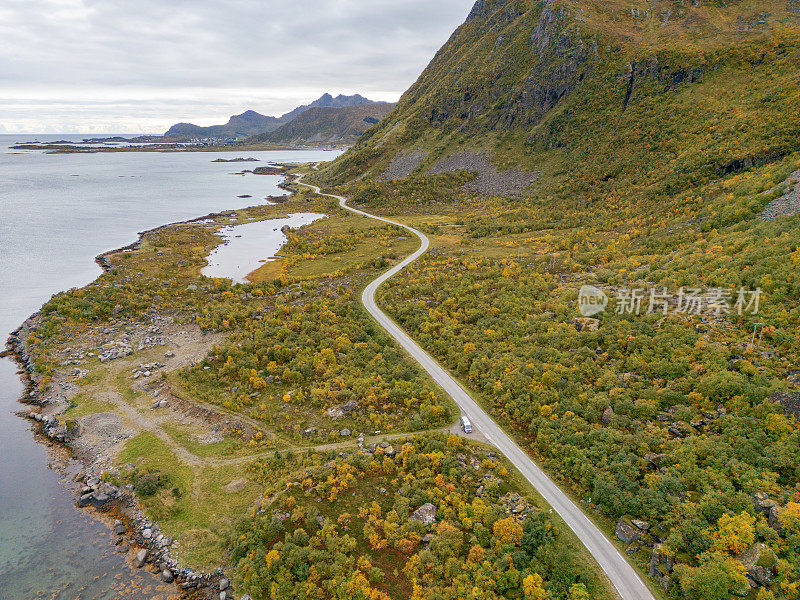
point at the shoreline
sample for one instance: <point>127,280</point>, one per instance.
<point>131,528</point>
<point>166,147</point>
<point>115,507</point>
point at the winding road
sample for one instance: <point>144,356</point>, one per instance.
<point>618,570</point>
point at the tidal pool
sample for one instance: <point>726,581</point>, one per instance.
<point>250,245</point>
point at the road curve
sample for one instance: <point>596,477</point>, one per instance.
<point>618,570</point>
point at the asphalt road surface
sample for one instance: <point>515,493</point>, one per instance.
<point>618,570</point>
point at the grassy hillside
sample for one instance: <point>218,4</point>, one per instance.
<point>656,95</point>
<point>659,132</point>
<point>328,125</point>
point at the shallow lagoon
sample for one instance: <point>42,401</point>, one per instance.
<point>248,246</point>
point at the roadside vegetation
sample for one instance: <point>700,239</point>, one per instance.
<point>670,420</point>
<point>254,463</point>
<point>657,135</point>
<point>430,517</point>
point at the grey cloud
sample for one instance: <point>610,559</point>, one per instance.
<point>276,52</point>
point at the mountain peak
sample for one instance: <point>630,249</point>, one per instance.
<point>328,101</point>
<point>249,117</point>
<point>551,74</point>
<point>251,122</point>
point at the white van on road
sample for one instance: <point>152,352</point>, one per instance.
<point>466,426</point>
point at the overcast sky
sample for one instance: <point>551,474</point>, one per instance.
<point>130,66</point>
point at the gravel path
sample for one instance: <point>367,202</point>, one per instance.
<point>787,205</point>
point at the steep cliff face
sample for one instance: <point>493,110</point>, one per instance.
<point>521,79</point>
<point>506,66</point>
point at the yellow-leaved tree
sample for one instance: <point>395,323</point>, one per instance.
<point>533,587</point>
<point>790,518</point>
<point>733,533</point>
<point>578,592</point>
<point>508,531</point>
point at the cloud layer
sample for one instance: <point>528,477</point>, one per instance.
<point>141,65</point>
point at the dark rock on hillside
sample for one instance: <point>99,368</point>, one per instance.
<point>759,561</point>
<point>655,461</point>
<point>626,532</point>
<point>488,179</point>
<point>558,61</point>
<point>661,561</point>
<point>492,14</point>
<point>790,401</point>
<point>774,519</point>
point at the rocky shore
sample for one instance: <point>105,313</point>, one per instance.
<point>134,534</point>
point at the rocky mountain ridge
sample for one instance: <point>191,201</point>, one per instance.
<point>251,122</point>
<point>327,125</point>
<point>530,80</point>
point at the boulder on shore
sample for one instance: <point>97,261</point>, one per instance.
<point>141,558</point>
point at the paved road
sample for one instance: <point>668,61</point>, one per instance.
<point>619,571</point>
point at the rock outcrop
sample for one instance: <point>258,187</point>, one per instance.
<point>626,532</point>
<point>426,514</point>
<point>759,561</point>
